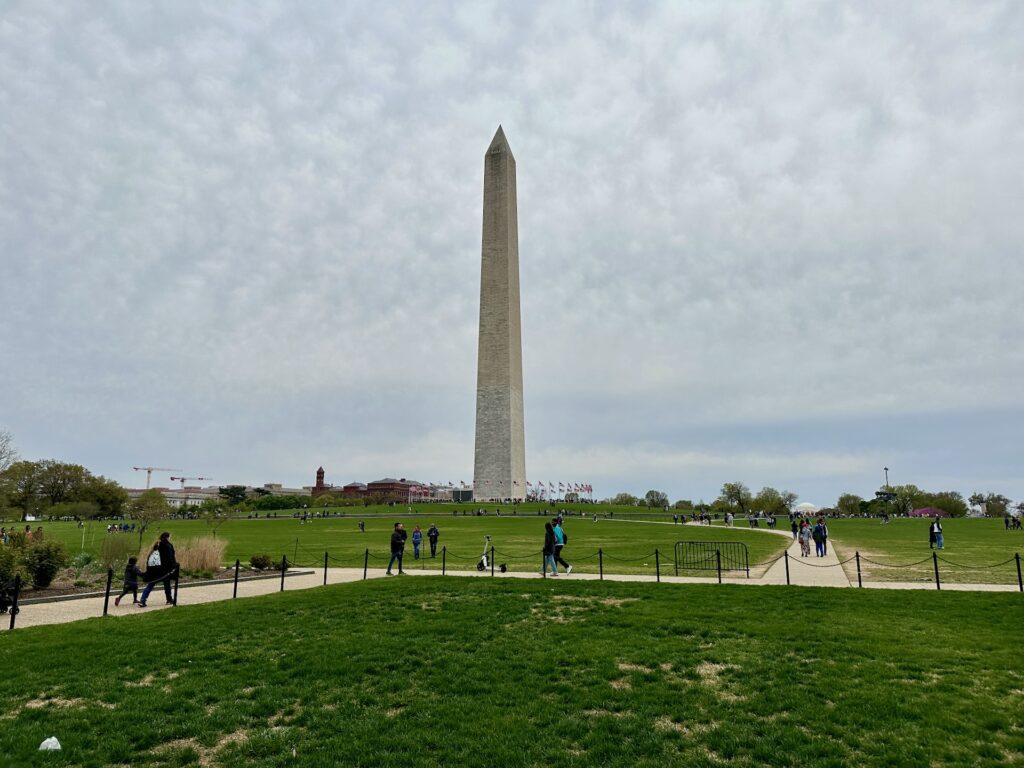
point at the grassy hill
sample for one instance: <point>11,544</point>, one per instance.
<point>448,671</point>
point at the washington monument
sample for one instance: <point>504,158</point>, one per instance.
<point>499,469</point>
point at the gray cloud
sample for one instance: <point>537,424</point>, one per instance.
<point>244,238</point>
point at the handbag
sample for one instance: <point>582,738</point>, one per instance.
<point>154,559</point>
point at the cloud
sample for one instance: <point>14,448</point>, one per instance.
<point>728,216</point>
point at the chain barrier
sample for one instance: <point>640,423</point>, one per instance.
<point>894,565</point>
<point>976,567</point>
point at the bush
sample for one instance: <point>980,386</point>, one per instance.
<point>42,561</point>
<point>261,562</point>
<point>202,554</point>
<point>8,564</point>
<point>115,549</point>
<point>82,559</point>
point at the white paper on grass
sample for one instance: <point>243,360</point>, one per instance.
<point>50,743</point>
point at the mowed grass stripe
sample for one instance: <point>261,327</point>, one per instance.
<point>420,672</point>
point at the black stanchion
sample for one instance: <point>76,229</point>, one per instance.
<point>718,563</point>
<point>177,575</point>
<point>860,583</point>
<point>543,564</point>
<point>444,557</point>
<point>325,569</point>
<point>106,594</point>
<point>492,561</point>
<point>366,562</point>
<point>14,601</point>
<point>295,556</point>
<point>785,556</point>
<point>234,592</point>
<point>284,567</point>
<point>935,562</point>
<point>1020,582</point>
<point>657,566</point>
<point>600,564</point>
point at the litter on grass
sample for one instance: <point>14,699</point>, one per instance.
<point>49,744</point>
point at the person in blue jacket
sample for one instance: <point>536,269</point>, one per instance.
<point>417,540</point>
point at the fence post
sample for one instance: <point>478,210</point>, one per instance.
<point>106,594</point>
<point>366,562</point>
<point>718,562</point>
<point>444,557</point>
<point>657,566</point>
<point>860,583</point>
<point>325,569</point>
<point>14,602</point>
<point>234,593</point>
<point>177,575</point>
<point>1020,582</point>
<point>543,564</point>
<point>295,556</point>
<point>935,562</point>
<point>785,556</point>
<point>492,560</point>
<point>600,563</point>
<point>284,567</point>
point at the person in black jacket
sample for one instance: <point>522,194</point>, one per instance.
<point>162,571</point>
<point>397,548</point>
<point>433,534</point>
<point>131,581</point>
<point>549,550</point>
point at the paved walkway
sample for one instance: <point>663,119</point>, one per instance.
<point>803,571</point>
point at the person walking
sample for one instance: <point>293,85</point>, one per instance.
<point>931,535</point>
<point>819,539</point>
<point>794,528</point>
<point>397,548</point>
<point>432,535</point>
<point>824,536</point>
<point>132,574</point>
<point>160,569</point>
<point>362,527</point>
<point>549,550</point>
<point>561,539</point>
<point>936,531</point>
<point>417,540</point>
<point>805,539</point>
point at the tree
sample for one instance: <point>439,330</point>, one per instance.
<point>59,482</point>
<point>213,512</point>
<point>908,498</point>
<point>737,496</point>
<point>683,504</point>
<point>150,507</point>
<point>995,503</point>
<point>20,484</point>
<point>625,500</point>
<point>849,504</point>
<point>656,499</point>
<point>950,502</point>
<point>235,494</point>
<point>106,494</point>
<point>7,453</point>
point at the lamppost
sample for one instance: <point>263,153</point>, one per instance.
<point>886,469</point>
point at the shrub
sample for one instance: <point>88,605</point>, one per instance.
<point>115,550</point>
<point>8,564</point>
<point>261,562</point>
<point>203,554</point>
<point>42,561</point>
<point>82,559</point>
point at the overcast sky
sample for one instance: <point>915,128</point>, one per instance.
<point>770,242</point>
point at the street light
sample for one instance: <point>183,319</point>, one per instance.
<point>886,476</point>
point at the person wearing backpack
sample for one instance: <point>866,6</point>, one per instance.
<point>160,568</point>
<point>561,539</point>
<point>818,534</point>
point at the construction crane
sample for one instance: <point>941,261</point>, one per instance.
<point>183,479</point>
<point>149,472</point>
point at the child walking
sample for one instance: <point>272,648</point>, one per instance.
<point>131,581</point>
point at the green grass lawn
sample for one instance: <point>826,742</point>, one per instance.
<point>968,542</point>
<point>628,546</point>
<point>435,671</point>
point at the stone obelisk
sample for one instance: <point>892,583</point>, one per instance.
<point>499,470</point>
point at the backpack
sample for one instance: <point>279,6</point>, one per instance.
<point>565,537</point>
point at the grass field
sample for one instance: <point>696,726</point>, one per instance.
<point>436,671</point>
<point>628,546</point>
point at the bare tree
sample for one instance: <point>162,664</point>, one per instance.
<point>7,453</point>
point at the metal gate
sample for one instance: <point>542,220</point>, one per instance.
<point>712,556</point>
